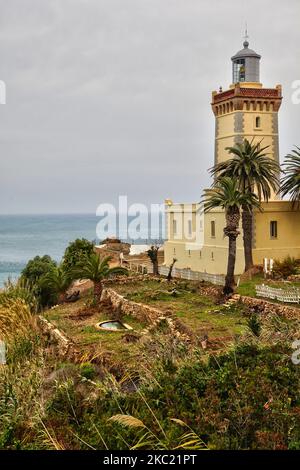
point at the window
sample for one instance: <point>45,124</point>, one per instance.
<point>273,229</point>
<point>200,254</point>
<point>213,229</point>
<point>257,122</point>
<point>190,228</point>
<point>212,256</point>
<point>189,252</point>
<point>239,70</point>
<point>174,227</point>
<point>174,251</point>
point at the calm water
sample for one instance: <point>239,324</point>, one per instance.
<point>23,237</point>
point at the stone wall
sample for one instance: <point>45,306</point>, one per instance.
<point>211,291</point>
<point>248,275</point>
<point>65,346</point>
<point>143,313</point>
<point>268,308</point>
<point>146,314</point>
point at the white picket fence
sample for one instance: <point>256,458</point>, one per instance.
<point>291,295</point>
<point>188,274</point>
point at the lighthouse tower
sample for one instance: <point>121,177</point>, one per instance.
<point>246,109</point>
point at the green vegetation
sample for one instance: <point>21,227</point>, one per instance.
<point>95,268</point>
<point>232,385</point>
<point>290,183</point>
<point>88,370</point>
<point>253,171</point>
<point>245,398</point>
<point>33,275</point>
<point>76,252</point>
<point>247,288</point>
<point>227,195</point>
<point>197,311</point>
<point>285,268</point>
<point>58,280</point>
<point>21,290</point>
<point>78,321</point>
<point>254,325</point>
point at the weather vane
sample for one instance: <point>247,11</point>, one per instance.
<point>246,37</point>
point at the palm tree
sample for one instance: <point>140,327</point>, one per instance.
<point>290,183</point>
<point>255,172</point>
<point>226,195</point>
<point>95,268</point>
<point>58,280</point>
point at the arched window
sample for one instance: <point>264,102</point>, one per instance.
<point>257,122</point>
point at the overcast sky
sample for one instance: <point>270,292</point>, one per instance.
<point>112,97</point>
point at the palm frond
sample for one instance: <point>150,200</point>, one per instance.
<point>290,183</point>
<point>95,268</point>
<point>227,195</point>
<point>253,168</point>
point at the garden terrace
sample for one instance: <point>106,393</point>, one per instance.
<point>78,322</point>
<point>193,303</point>
<point>189,310</point>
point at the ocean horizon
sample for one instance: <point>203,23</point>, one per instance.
<point>22,237</point>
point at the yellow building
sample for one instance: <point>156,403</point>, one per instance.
<point>245,110</point>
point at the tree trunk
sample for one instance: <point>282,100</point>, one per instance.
<point>169,277</point>
<point>155,268</point>
<point>231,231</point>
<point>229,279</point>
<point>97,291</point>
<point>247,224</point>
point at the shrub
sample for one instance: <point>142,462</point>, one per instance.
<point>76,252</point>
<point>285,268</point>
<point>87,370</point>
<point>34,273</point>
<point>21,290</point>
<point>254,325</point>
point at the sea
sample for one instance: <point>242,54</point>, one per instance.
<point>22,237</point>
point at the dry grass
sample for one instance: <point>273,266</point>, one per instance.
<point>15,319</point>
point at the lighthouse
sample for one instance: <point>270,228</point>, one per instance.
<point>246,110</point>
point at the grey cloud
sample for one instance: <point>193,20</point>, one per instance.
<point>109,97</point>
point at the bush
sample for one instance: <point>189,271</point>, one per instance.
<point>87,370</point>
<point>76,252</point>
<point>33,275</point>
<point>288,267</point>
<point>254,325</point>
<point>245,398</point>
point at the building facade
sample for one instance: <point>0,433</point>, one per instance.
<point>245,110</point>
